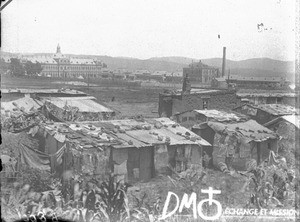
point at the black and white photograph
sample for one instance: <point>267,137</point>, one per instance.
<point>150,110</point>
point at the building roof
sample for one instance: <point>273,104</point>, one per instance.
<point>248,131</point>
<point>258,79</point>
<point>82,61</point>
<point>141,72</point>
<point>41,59</point>
<point>160,73</point>
<point>82,103</point>
<point>276,109</point>
<point>125,133</point>
<point>199,65</point>
<point>175,74</point>
<point>50,59</point>
<point>223,116</point>
<point>221,79</point>
<point>266,94</point>
<point>203,91</point>
<point>44,91</point>
<point>293,119</point>
<point>25,104</point>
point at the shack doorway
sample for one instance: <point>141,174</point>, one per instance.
<point>146,164</point>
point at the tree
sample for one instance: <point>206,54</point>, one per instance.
<point>16,67</point>
<point>29,68</point>
<point>33,68</point>
<point>3,66</point>
<point>38,68</point>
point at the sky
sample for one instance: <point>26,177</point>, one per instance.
<point>152,28</point>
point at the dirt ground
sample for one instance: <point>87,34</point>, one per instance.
<point>126,101</point>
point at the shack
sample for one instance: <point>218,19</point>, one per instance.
<point>259,96</point>
<point>13,94</point>
<point>76,109</point>
<point>235,138</point>
<point>172,102</point>
<point>189,118</point>
<point>135,150</point>
<point>81,108</point>
<point>264,113</point>
<point>288,128</point>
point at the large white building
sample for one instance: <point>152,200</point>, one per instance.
<point>59,65</point>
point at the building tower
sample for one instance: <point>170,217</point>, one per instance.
<point>58,49</point>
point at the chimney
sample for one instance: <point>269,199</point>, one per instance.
<point>186,86</point>
<point>224,61</point>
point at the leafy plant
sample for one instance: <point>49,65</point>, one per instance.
<point>114,201</point>
<point>22,201</point>
<point>144,210</point>
<point>37,179</point>
<point>270,184</point>
<point>188,179</point>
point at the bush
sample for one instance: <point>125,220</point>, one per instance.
<point>37,179</point>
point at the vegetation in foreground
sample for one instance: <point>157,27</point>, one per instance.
<point>86,199</point>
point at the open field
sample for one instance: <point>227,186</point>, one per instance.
<point>128,100</point>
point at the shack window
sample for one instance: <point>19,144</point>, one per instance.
<point>205,103</point>
<point>184,119</point>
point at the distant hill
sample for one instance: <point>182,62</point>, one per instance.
<point>250,67</point>
<point>256,63</point>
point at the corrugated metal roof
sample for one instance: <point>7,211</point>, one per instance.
<point>203,91</point>
<point>45,91</point>
<point>249,130</point>
<point>128,133</point>
<point>84,105</point>
<point>258,79</point>
<point>26,102</point>
<point>76,98</point>
<point>222,116</point>
<point>266,94</point>
<point>277,109</point>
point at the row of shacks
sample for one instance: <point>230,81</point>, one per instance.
<point>132,149</point>
<point>244,133</point>
<point>77,135</point>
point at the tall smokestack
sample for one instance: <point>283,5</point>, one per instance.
<point>186,86</point>
<point>224,61</point>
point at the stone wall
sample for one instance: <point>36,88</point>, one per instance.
<point>221,100</point>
